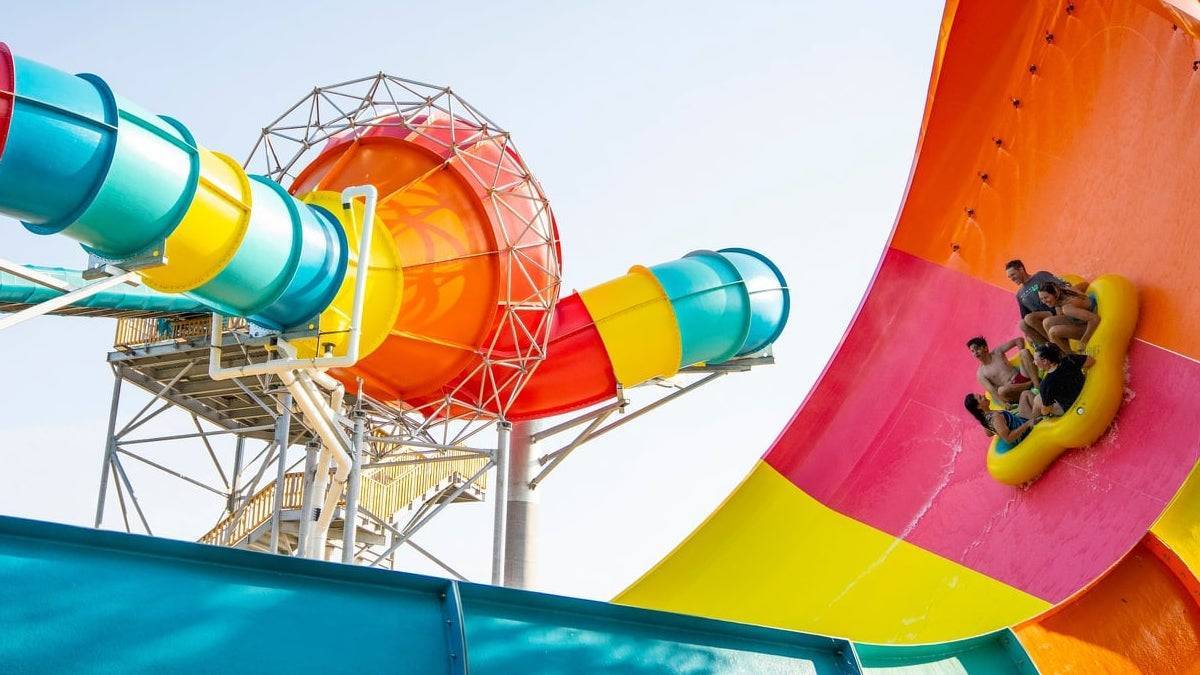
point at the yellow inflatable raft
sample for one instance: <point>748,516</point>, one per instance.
<point>1087,419</point>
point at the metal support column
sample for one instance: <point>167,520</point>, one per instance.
<point>283,430</point>
<point>350,517</point>
<point>306,507</point>
<point>520,534</point>
<point>238,456</point>
<point>110,446</point>
<point>500,494</point>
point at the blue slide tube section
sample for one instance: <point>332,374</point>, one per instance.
<point>85,162</point>
<point>61,139</point>
<point>770,299</point>
<point>320,264</point>
<point>728,303</point>
<point>710,303</point>
<point>149,186</point>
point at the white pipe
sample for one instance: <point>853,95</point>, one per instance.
<point>341,457</point>
<point>337,400</point>
<point>316,540</point>
<point>216,372</point>
<point>336,448</point>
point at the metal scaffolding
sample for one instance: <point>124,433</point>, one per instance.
<point>402,476</point>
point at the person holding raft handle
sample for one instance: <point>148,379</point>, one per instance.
<point>1073,316</point>
<point>1064,378</point>
<point>1003,381</point>
<point>1012,427</point>
<point>1061,385</point>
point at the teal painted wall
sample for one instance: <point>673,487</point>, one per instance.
<point>88,601</point>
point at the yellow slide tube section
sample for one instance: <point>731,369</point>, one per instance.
<point>211,231</point>
<point>384,291</point>
<point>773,555</point>
<point>637,325</point>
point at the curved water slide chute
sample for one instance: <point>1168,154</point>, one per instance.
<point>1062,133</point>
<point>465,236</point>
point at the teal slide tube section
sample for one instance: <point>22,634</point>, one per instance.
<point>770,300</point>
<point>319,267</point>
<point>61,139</point>
<point>265,262</point>
<point>710,303</point>
<point>19,291</point>
<point>149,186</point>
<point>79,160</point>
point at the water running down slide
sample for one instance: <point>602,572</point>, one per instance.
<point>1062,133</point>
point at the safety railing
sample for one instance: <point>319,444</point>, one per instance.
<point>384,491</point>
<point>235,527</point>
<point>144,331</point>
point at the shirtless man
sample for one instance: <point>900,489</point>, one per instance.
<point>1004,382</point>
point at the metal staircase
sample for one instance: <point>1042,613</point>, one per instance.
<point>386,493</point>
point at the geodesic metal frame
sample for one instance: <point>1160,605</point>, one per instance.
<point>348,110</point>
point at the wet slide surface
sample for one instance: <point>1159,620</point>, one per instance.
<point>1064,133</point>
<point>921,473</point>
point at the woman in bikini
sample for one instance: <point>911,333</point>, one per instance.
<point>1073,316</point>
<point>1010,426</point>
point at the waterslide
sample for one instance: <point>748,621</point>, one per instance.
<point>464,270</point>
<point>1059,132</point>
<point>1062,133</point>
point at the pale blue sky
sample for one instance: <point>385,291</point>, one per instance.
<point>655,128</point>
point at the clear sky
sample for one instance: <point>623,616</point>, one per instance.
<point>655,128</point>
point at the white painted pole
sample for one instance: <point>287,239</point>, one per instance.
<point>520,533</point>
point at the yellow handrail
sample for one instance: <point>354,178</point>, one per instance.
<point>384,491</point>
